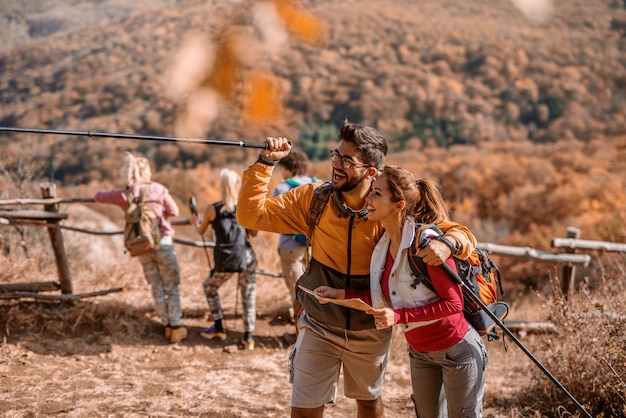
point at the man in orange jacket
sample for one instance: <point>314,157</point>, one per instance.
<point>332,337</point>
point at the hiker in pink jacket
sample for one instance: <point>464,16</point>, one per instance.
<point>160,266</point>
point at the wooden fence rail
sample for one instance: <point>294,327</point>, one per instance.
<point>588,245</point>
<point>52,200</point>
<point>17,217</point>
<point>50,218</point>
<point>527,252</point>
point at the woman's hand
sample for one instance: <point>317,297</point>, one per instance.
<point>383,317</point>
<point>193,220</point>
<point>330,292</point>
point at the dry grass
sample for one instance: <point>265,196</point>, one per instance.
<point>106,356</point>
<point>590,352</point>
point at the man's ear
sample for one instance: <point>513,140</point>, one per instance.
<point>372,172</point>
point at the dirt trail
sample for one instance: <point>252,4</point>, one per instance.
<point>107,357</point>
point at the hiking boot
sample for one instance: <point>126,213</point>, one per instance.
<point>248,345</point>
<point>248,341</point>
<point>178,334</point>
<point>289,339</point>
<point>212,333</point>
<point>168,332</point>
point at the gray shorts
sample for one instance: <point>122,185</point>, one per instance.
<point>317,358</point>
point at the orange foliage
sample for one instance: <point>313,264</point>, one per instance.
<point>223,76</point>
<point>262,99</point>
<point>234,73</point>
<point>299,22</point>
<point>504,192</point>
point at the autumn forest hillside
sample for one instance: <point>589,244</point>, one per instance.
<point>519,115</point>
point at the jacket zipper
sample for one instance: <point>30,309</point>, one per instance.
<point>348,272</point>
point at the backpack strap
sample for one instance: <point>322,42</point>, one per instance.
<point>487,266</point>
<point>142,193</point>
<point>136,199</point>
<point>132,199</point>
<point>417,264</point>
<point>129,195</point>
<point>142,200</point>
<point>318,204</point>
<point>321,197</point>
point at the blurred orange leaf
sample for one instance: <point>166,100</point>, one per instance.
<point>298,22</point>
<point>262,101</point>
<point>224,74</point>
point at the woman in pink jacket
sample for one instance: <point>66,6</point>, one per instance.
<point>160,266</point>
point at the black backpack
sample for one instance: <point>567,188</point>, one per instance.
<point>230,242</point>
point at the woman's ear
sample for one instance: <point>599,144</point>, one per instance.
<point>401,205</point>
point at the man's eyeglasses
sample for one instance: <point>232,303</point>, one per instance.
<point>345,161</point>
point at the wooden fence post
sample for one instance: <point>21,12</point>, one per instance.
<point>49,191</point>
<point>568,271</point>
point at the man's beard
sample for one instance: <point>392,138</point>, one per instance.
<point>351,183</point>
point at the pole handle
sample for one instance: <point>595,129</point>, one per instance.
<point>251,144</point>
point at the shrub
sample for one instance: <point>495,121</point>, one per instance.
<point>314,140</point>
<point>45,27</point>
<point>443,131</point>
<point>589,354</point>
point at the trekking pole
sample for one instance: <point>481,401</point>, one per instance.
<point>423,243</point>
<point>245,144</point>
<point>193,207</point>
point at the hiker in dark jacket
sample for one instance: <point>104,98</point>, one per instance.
<point>446,354</point>
<point>160,266</point>
<point>232,254</point>
<point>332,338</point>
